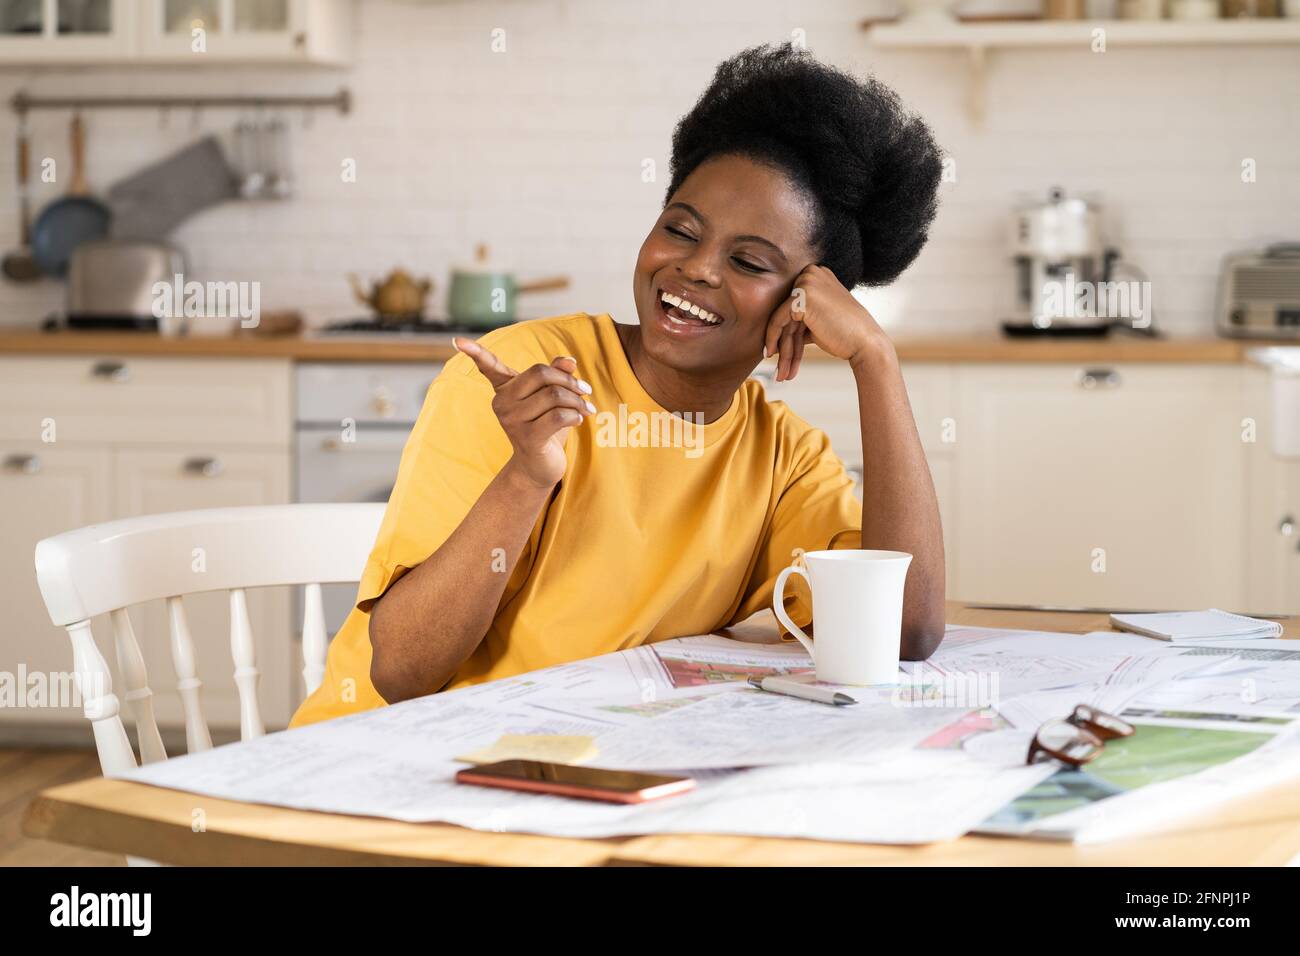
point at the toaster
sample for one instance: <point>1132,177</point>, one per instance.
<point>1259,293</point>
<point>111,281</point>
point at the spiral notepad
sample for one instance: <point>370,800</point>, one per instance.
<point>1189,626</point>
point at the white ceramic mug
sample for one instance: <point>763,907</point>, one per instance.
<point>857,599</point>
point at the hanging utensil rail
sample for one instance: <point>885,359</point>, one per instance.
<point>21,102</point>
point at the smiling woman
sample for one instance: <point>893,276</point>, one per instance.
<point>520,535</point>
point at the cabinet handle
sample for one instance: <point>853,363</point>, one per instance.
<point>1286,527</point>
<point>765,374</point>
<point>1099,378</point>
<point>111,371</point>
<point>23,464</point>
<point>203,467</point>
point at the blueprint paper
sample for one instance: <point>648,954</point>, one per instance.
<point>894,768</point>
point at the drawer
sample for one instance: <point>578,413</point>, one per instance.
<point>146,400</point>
<point>328,393</point>
<point>46,490</point>
<point>154,481</point>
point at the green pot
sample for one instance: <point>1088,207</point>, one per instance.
<point>482,299</point>
<point>485,298</point>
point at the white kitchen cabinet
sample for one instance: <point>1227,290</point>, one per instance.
<point>1287,562</point>
<point>66,31</point>
<point>210,476</point>
<point>44,489</point>
<point>1273,516</point>
<point>91,439</point>
<point>943,472</point>
<point>1274,540</point>
<point>279,31</point>
<point>193,32</point>
<point>1122,486</point>
<point>824,394</point>
<point>147,400</point>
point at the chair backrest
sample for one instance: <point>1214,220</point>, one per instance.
<point>106,568</point>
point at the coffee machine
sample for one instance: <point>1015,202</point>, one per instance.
<point>1067,279</point>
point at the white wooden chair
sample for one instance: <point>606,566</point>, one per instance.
<point>106,568</point>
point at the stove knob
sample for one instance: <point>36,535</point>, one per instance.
<point>382,403</point>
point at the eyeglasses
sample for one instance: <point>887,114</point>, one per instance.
<point>1078,738</point>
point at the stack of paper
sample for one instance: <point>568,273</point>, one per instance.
<point>930,758</point>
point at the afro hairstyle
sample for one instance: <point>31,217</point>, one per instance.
<point>871,169</point>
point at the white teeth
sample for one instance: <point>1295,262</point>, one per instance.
<point>680,303</point>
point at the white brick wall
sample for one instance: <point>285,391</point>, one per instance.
<point>538,152</point>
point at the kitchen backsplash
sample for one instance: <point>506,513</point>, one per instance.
<point>541,152</point>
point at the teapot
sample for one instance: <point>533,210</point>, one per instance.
<point>397,297</point>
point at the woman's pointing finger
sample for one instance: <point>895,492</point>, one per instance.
<point>494,370</point>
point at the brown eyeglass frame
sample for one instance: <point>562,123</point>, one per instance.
<point>1092,727</point>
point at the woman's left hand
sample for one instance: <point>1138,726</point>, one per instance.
<point>821,309</point>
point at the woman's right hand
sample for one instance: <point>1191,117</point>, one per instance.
<point>536,407</point>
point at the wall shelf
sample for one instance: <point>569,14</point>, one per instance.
<point>979,40</point>
<point>1080,33</point>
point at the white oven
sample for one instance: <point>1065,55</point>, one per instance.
<point>352,421</point>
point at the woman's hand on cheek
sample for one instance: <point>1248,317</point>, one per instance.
<point>820,308</point>
<point>784,338</point>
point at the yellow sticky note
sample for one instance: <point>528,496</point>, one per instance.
<point>552,748</point>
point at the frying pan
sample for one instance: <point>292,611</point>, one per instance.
<point>76,218</point>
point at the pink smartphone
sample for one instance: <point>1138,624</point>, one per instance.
<point>589,783</point>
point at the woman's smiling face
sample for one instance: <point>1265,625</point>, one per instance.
<point>732,240</point>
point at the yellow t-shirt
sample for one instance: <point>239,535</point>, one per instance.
<point>659,528</point>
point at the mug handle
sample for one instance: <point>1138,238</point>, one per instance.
<point>778,607</point>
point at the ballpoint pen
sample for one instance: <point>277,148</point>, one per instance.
<point>794,688</point>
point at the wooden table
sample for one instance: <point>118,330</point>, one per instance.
<point>140,820</point>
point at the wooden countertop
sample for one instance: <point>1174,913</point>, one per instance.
<point>438,348</point>
<point>122,817</point>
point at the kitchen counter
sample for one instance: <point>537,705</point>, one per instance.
<point>380,347</point>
